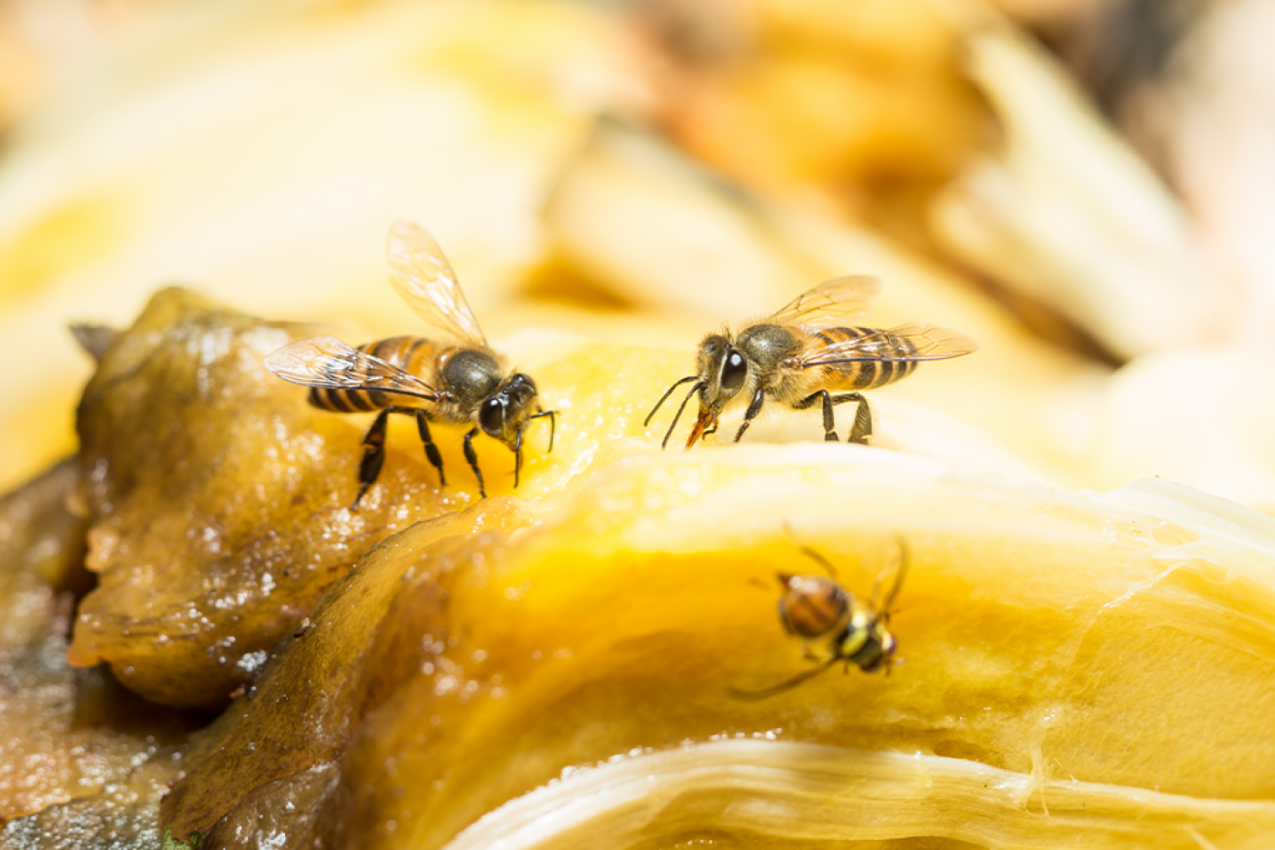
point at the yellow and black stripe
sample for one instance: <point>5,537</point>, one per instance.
<point>867,371</point>
<point>413,355</point>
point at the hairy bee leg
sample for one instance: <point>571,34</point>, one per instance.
<point>431,450</point>
<point>862,428</point>
<point>373,455</point>
<point>472,457</point>
<point>829,424</point>
<point>754,408</point>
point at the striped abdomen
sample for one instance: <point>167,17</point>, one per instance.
<point>415,355</point>
<point>812,606</point>
<point>881,358</point>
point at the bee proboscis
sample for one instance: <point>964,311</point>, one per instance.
<point>815,607</point>
<point>804,355</point>
<point>452,377</point>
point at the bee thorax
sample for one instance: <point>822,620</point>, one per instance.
<point>471,375</point>
<point>768,345</point>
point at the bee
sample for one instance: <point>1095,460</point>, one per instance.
<point>815,607</point>
<point>802,356</point>
<point>452,377</point>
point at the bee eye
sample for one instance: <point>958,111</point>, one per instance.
<point>734,370</point>
<point>521,389</point>
<point>491,416</point>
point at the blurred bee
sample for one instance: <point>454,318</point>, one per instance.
<point>452,377</point>
<point>815,607</point>
<point>802,356</point>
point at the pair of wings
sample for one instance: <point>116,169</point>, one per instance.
<point>420,272</point>
<point>839,302</point>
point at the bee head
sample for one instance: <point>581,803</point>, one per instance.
<point>504,415</point>
<point>723,370</point>
<point>878,650</point>
<point>880,646</point>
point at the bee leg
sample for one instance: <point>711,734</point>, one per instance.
<point>517,458</point>
<point>754,408</point>
<point>829,422</point>
<point>862,428</point>
<point>373,455</point>
<point>819,559</point>
<point>431,450</point>
<point>785,685</point>
<point>472,457</point>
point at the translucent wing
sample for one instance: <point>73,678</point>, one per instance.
<point>830,304</point>
<point>906,342</point>
<point>327,363</point>
<point>420,272</point>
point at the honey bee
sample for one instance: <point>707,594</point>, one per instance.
<point>452,377</point>
<point>814,607</point>
<point>802,356</point>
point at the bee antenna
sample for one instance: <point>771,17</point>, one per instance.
<point>788,684</point>
<point>664,398</point>
<point>553,423</point>
<point>694,389</point>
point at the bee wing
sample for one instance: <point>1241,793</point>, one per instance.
<point>420,272</point>
<point>327,363</point>
<point>906,342</point>
<point>830,304</point>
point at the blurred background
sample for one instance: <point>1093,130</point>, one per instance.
<point>1083,187</point>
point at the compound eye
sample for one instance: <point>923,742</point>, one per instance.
<point>521,388</point>
<point>734,370</point>
<point>491,416</point>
